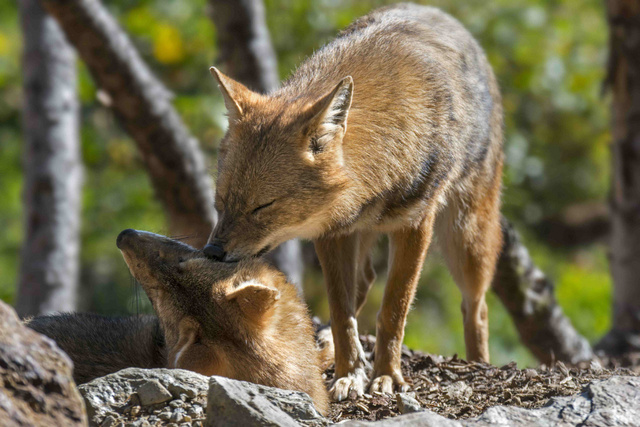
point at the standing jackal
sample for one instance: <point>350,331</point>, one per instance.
<point>395,127</point>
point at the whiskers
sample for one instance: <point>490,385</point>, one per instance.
<point>136,291</point>
<point>184,237</point>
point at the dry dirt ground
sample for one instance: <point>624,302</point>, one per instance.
<point>458,389</point>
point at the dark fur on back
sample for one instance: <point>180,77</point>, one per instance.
<point>100,345</point>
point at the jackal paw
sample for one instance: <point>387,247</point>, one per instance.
<point>349,387</point>
<point>387,384</point>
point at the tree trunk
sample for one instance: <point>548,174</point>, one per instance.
<point>48,279</point>
<point>528,296</point>
<point>244,42</point>
<point>143,106</point>
<point>623,80</point>
<point>247,55</point>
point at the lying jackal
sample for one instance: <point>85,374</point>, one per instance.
<point>395,127</point>
<point>242,321</point>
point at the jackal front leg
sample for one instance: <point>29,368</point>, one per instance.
<point>338,257</point>
<point>408,248</point>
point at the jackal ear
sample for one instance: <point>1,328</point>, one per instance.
<point>233,93</point>
<point>254,298</point>
<point>330,114</point>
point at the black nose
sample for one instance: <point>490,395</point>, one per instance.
<point>123,234</point>
<point>214,251</point>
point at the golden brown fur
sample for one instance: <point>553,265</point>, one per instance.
<point>242,321</point>
<point>395,128</point>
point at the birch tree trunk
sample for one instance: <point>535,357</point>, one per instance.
<point>48,280</point>
<point>143,106</point>
<point>623,80</point>
<point>247,55</point>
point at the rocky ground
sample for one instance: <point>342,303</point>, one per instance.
<point>36,389</point>
<point>458,389</point>
<point>449,387</point>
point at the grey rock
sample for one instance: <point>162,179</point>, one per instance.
<point>106,394</point>
<point>176,403</point>
<point>407,403</point>
<point>109,421</point>
<point>153,392</point>
<point>177,417</point>
<point>233,402</point>
<point>36,376</point>
<point>611,402</point>
<point>425,418</point>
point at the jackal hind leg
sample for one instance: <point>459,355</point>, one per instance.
<point>338,257</point>
<point>470,239</point>
<point>408,248</point>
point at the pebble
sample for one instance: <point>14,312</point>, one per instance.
<point>178,389</point>
<point>196,412</point>
<point>153,392</point>
<point>109,421</point>
<point>531,373</point>
<point>177,417</point>
<point>176,404</point>
<point>164,415</point>
<point>407,403</point>
<point>135,410</point>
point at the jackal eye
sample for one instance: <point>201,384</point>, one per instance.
<point>259,208</point>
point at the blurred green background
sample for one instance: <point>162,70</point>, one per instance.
<point>549,57</point>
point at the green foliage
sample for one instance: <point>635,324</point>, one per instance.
<point>549,58</point>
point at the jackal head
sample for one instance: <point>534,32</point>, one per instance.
<point>280,168</point>
<point>208,310</point>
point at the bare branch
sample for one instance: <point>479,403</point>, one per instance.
<point>143,106</point>
<point>529,298</point>
<point>244,42</point>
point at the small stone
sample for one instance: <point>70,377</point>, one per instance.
<point>164,416</point>
<point>196,412</point>
<point>176,404</point>
<point>407,403</point>
<point>458,390</point>
<point>177,417</point>
<point>109,421</point>
<point>595,366</point>
<point>178,389</point>
<point>153,392</point>
<point>184,397</point>
<point>531,373</point>
<point>186,419</point>
<point>135,410</point>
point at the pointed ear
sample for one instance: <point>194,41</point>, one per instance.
<point>254,298</point>
<point>330,114</point>
<point>233,93</point>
